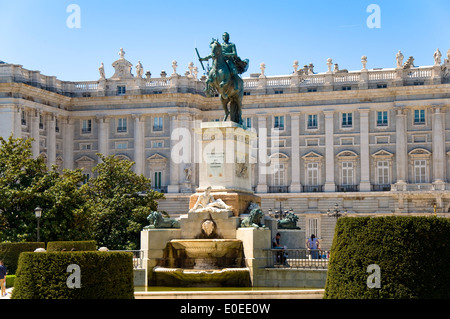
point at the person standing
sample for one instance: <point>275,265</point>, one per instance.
<point>3,273</point>
<point>281,256</point>
<point>313,247</point>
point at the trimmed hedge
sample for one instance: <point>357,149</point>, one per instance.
<point>88,245</point>
<point>10,281</point>
<point>413,254</point>
<point>104,275</point>
<point>9,253</point>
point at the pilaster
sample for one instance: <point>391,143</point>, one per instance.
<point>330,185</point>
<point>364,150</point>
<point>295,153</point>
<point>401,147</point>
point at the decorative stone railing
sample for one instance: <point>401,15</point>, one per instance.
<point>258,84</point>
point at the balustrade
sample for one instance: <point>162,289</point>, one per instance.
<point>15,73</point>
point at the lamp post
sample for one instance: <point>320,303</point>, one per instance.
<point>279,214</point>
<point>38,213</point>
<point>336,212</point>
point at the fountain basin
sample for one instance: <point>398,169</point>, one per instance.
<point>202,263</point>
<point>203,254</point>
<point>177,277</point>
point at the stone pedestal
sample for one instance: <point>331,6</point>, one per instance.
<point>225,164</point>
<point>256,244</point>
<point>153,243</point>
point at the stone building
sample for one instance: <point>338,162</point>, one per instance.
<point>371,141</point>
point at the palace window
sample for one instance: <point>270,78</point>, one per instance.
<point>278,122</point>
<point>312,174</point>
<point>85,147</point>
<point>121,145</point>
<point>24,118</point>
<point>382,118</point>
<point>41,122</point>
<point>279,175</point>
<point>419,117</point>
<point>122,125</point>
<point>248,122</point>
<point>383,173</point>
<point>347,173</point>
<point>158,144</point>
<point>158,124</point>
<point>420,171</point>
<point>347,120</point>
<point>86,178</point>
<point>157,180</point>
<point>121,90</point>
<point>86,126</point>
<point>312,227</point>
<point>312,121</point>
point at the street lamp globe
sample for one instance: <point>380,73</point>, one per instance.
<point>38,212</point>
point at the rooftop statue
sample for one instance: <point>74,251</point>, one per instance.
<point>224,77</point>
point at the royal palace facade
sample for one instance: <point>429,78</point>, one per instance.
<point>372,141</point>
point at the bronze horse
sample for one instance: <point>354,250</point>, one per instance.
<point>229,86</point>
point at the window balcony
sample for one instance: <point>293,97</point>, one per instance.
<point>381,188</point>
<point>313,189</point>
<point>278,189</point>
<point>347,188</point>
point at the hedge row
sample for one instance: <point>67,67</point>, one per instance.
<point>9,253</point>
<point>103,275</point>
<point>413,255</point>
<point>88,245</point>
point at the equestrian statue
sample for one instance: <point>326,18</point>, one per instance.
<point>224,77</point>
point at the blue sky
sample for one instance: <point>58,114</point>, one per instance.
<point>34,33</point>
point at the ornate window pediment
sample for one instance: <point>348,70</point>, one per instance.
<point>85,160</point>
<point>383,154</point>
<point>157,158</point>
<point>347,155</point>
<point>279,157</point>
<point>420,152</point>
<point>312,156</point>
<point>123,157</point>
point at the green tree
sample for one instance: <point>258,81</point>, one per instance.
<point>120,200</point>
<point>25,183</point>
<point>66,215</point>
<point>19,172</point>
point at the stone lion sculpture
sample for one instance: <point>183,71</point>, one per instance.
<point>156,220</point>
<point>254,219</point>
<point>289,222</point>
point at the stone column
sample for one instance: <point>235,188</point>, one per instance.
<point>68,144</point>
<point>401,147</point>
<point>139,144</point>
<point>35,134</point>
<point>295,153</point>
<point>330,185</point>
<point>103,135</point>
<point>51,139</point>
<point>17,131</point>
<point>174,180</point>
<point>438,146</point>
<point>263,160</point>
<point>364,185</point>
